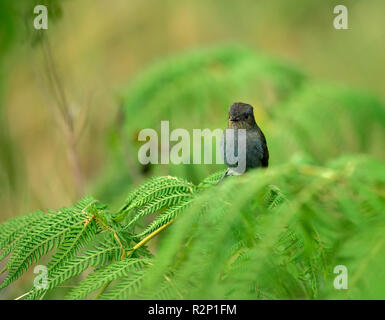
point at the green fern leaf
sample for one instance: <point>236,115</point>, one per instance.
<point>105,251</point>
<point>12,230</point>
<point>157,204</point>
<point>165,217</point>
<point>126,288</point>
<point>105,275</point>
<point>153,189</point>
<point>43,237</point>
<point>212,179</point>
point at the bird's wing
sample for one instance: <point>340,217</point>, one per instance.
<point>265,153</point>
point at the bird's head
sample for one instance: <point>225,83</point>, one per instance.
<point>241,116</point>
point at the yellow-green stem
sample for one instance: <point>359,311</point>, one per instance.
<point>137,246</point>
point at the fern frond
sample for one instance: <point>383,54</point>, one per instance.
<point>77,238</point>
<point>104,251</point>
<point>274,197</point>
<point>212,179</point>
<point>244,239</point>
<point>163,188</point>
<point>43,237</point>
<point>105,275</point>
<point>127,287</point>
<point>164,291</point>
<point>165,217</point>
<point>158,203</point>
<point>153,189</point>
<point>12,231</point>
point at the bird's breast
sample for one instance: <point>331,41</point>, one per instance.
<point>233,147</point>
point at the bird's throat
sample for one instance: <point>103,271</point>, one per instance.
<point>240,125</point>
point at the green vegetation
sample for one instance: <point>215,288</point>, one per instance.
<point>242,239</point>
<point>270,234</point>
<point>170,231</point>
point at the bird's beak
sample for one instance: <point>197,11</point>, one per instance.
<point>232,118</point>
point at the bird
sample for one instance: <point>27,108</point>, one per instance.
<point>241,116</point>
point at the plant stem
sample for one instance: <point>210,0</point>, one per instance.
<point>104,287</point>
<point>3,270</point>
<point>23,295</point>
<point>137,246</point>
<point>151,235</point>
<point>59,95</point>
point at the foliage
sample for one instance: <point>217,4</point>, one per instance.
<point>269,234</point>
<point>204,81</point>
<point>194,90</point>
<point>326,121</point>
<point>299,116</point>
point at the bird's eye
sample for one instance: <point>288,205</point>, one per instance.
<point>247,116</point>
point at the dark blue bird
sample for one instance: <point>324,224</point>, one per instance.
<point>241,116</point>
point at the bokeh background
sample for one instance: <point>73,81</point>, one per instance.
<point>121,66</point>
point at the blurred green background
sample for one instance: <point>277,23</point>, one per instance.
<point>123,66</point>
